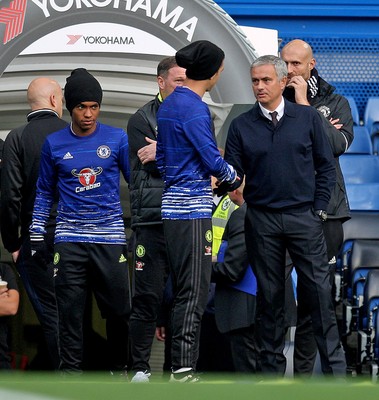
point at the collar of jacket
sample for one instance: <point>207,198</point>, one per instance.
<point>42,111</point>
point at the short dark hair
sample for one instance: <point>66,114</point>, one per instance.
<point>165,65</point>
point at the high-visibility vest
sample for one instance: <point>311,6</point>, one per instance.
<point>219,219</point>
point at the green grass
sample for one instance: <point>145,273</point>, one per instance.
<point>95,386</point>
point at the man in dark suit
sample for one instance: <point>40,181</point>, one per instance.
<point>235,293</point>
<point>235,290</point>
<point>278,146</point>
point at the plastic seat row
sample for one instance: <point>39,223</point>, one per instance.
<point>361,175</point>
<point>370,119</point>
<point>371,113</point>
<point>357,288</point>
<point>363,196</point>
<point>360,168</point>
<point>362,143</point>
<point>368,326</point>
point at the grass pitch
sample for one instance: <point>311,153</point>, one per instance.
<point>99,386</point>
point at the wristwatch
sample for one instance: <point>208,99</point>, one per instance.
<point>322,214</point>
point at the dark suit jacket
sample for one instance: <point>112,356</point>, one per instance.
<point>234,309</point>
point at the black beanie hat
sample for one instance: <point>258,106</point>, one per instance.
<point>201,59</point>
<point>81,86</point>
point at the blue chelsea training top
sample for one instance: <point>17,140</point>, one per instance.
<point>86,171</point>
<point>187,156</point>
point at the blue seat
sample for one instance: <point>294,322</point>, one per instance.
<point>375,143</point>
<point>362,225</point>
<point>363,196</point>
<point>370,298</point>
<point>364,257</point>
<point>371,115</point>
<point>354,109</point>
<point>368,333</point>
<point>362,143</point>
<point>360,168</point>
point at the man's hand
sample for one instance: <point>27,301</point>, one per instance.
<point>301,89</point>
<point>147,153</point>
<point>225,187</point>
<point>160,333</point>
<point>15,255</point>
<point>334,122</point>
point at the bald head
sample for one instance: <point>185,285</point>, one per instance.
<point>45,93</point>
<point>299,46</point>
<point>298,56</point>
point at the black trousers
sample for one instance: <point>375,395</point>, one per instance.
<point>214,347</point>
<point>39,285</point>
<point>305,346</point>
<point>268,235</point>
<point>244,350</point>
<point>150,271</point>
<point>103,268</point>
<point>189,247</point>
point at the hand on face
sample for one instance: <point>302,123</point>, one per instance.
<point>300,86</point>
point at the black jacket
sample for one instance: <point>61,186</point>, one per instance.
<point>146,184</point>
<point>333,105</point>
<point>234,309</point>
<point>20,168</point>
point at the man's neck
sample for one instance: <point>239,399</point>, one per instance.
<point>199,87</point>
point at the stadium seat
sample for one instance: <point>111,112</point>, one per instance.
<point>363,196</point>
<point>354,109</point>
<point>364,257</point>
<point>368,334</point>
<point>375,144</point>
<point>362,225</point>
<point>359,168</point>
<point>362,143</point>
<point>370,299</point>
<point>371,115</point>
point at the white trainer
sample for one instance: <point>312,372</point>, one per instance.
<point>184,375</point>
<point>141,377</point>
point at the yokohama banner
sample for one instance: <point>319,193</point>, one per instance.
<point>150,27</point>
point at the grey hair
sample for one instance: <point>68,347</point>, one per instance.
<point>278,63</point>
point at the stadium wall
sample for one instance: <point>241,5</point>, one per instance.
<point>343,34</point>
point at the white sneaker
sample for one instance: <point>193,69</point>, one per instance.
<point>141,377</point>
<point>184,375</point>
